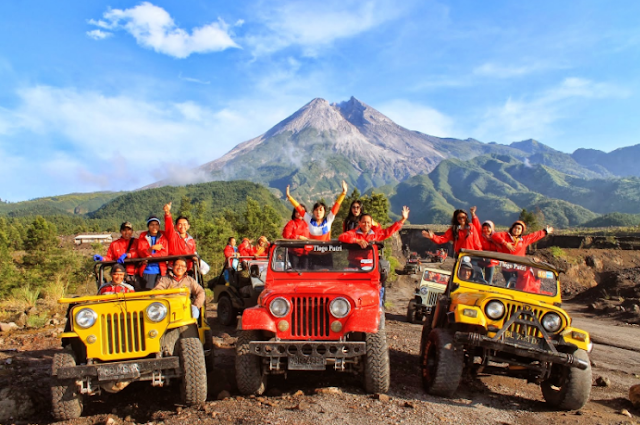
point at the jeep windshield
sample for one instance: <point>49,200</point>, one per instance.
<point>324,257</point>
<point>510,275</point>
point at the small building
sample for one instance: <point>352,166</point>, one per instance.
<point>80,239</point>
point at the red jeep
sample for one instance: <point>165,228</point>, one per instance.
<point>321,307</point>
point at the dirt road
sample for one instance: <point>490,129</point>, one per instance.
<point>333,398</point>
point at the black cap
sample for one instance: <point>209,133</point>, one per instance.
<point>152,218</point>
<point>118,268</point>
<point>125,225</point>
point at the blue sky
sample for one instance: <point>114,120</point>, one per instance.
<point>115,95</point>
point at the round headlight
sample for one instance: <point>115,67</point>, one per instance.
<point>339,307</point>
<point>156,312</point>
<point>494,309</point>
<point>551,322</point>
<point>279,307</point>
<point>424,290</point>
<point>86,318</point>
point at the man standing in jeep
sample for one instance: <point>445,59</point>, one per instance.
<point>152,243</point>
<point>365,232</point>
<point>124,247</point>
<point>180,242</point>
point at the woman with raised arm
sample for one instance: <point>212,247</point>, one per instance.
<point>319,224</point>
<point>462,233</point>
<point>515,242</point>
<point>366,233</point>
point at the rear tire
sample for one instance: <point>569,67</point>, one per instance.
<point>66,402</point>
<point>227,314</point>
<point>249,376</point>
<point>194,382</point>
<point>376,365</point>
<point>442,362</point>
<point>411,311</point>
<point>569,387</point>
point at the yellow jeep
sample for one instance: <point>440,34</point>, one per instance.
<point>501,314</point>
<point>113,340</point>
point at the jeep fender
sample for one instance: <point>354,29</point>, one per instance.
<point>577,337</point>
<point>468,315</point>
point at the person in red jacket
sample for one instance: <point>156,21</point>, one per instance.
<point>319,224</point>
<point>180,241</point>
<point>462,233</point>
<point>117,285</point>
<point>366,233</point>
<point>152,243</point>
<point>486,232</point>
<point>245,249</point>
<point>262,249</point>
<point>231,250</point>
<point>515,242</point>
<point>124,247</point>
<point>297,228</point>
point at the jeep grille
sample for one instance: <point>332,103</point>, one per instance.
<point>432,296</point>
<point>123,332</point>
<point>310,316</point>
<point>532,330</point>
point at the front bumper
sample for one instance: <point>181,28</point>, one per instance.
<point>308,355</point>
<point>533,352</point>
<point>129,370</point>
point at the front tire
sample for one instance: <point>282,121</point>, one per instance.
<point>376,365</point>
<point>442,362</point>
<point>411,311</point>
<point>227,314</point>
<point>249,376</point>
<point>193,387</point>
<point>66,402</point>
<point>568,388</point>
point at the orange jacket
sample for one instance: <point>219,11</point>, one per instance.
<point>468,238</point>
<point>245,249</point>
<point>375,234</point>
<point>145,251</point>
<point>520,243</point>
<point>121,246</point>
<point>295,228</point>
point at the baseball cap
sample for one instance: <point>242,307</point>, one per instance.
<point>125,225</point>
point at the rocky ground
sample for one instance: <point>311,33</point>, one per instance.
<point>25,362</point>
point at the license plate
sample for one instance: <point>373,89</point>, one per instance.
<point>306,363</point>
<point>518,337</point>
<point>118,372</point>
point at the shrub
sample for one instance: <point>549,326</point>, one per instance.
<point>37,320</point>
<point>26,296</point>
<point>557,252</point>
<point>54,290</point>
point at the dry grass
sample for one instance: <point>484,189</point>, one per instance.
<point>24,297</point>
<point>56,289</point>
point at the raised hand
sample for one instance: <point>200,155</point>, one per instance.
<point>427,234</point>
<point>473,210</point>
<point>405,212</point>
<point>288,194</point>
<point>549,230</point>
<point>344,187</point>
<point>167,208</point>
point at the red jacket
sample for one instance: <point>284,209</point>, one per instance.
<point>229,251</point>
<point>144,250</point>
<point>177,245</point>
<point>295,228</point>
<point>119,247</point>
<point>520,243</point>
<point>245,249</point>
<point>375,234</point>
<point>468,238</point>
<point>109,288</point>
<point>486,241</point>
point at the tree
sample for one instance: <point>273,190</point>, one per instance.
<point>530,219</point>
<point>259,220</point>
<point>41,239</point>
<point>185,207</point>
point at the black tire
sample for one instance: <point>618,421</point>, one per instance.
<point>442,362</point>
<point>66,402</point>
<point>377,375</point>
<point>193,387</point>
<point>249,376</point>
<point>227,314</point>
<point>208,346</point>
<point>568,388</point>
<point>411,311</point>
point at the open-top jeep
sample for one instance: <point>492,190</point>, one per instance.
<point>512,325</point>
<point>113,340</point>
<point>432,283</point>
<point>320,308</point>
<point>238,287</point>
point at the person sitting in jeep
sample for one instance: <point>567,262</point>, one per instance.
<point>468,273</point>
<point>181,280</point>
<point>152,243</point>
<point>124,247</point>
<point>365,233</point>
<point>117,285</point>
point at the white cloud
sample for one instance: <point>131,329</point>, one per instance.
<point>99,34</point>
<point>87,141</point>
<point>534,118</point>
<point>154,28</point>
<point>193,80</point>
<point>315,24</point>
<point>415,116</point>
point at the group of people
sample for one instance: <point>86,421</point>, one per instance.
<point>174,240</point>
<point>469,234</point>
